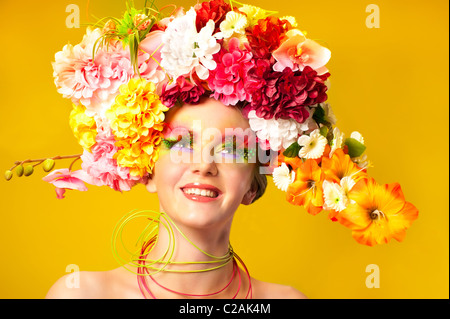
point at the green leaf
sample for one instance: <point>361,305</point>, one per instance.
<point>324,131</point>
<point>292,150</point>
<point>355,148</point>
<point>319,115</point>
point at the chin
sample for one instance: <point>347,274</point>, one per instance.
<point>200,217</point>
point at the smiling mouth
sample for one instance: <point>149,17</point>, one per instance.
<point>200,192</point>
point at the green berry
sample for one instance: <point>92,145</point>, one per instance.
<point>19,170</point>
<point>8,175</point>
<point>48,165</point>
<point>28,170</point>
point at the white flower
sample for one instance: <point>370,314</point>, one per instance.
<point>185,50</point>
<point>357,136</point>
<point>338,140</point>
<point>282,178</point>
<point>234,23</point>
<point>313,145</point>
<point>280,133</point>
<point>309,124</point>
<point>362,161</point>
<point>329,115</point>
<point>347,183</point>
<point>334,196</point>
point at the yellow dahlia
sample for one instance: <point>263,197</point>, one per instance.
<point>84,127</point>
<point>136,121</point>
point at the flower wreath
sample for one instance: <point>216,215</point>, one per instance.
<point>126,73</point>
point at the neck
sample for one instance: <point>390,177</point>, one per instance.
<point>187,272</point>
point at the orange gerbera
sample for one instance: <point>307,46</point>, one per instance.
<point>340,165</point>
<point>306,190</point>
<point>377,213</point>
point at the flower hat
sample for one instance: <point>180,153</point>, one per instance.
<point>127,72</point>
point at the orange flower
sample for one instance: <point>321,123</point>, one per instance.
<point>326,154</point>
<point>293,162</point>
<point>339,166</point>
<point>377,213</point>
<point>306,190</point>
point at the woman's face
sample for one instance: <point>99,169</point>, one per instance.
<point>202,183</point>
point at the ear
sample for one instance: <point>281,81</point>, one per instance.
<point>248,197</point>
<point>151,185</point>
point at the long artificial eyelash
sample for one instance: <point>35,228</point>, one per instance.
<point>233,145</point>
<point>171,141</point>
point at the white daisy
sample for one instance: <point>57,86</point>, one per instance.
<point>334,196</point>
<point>282,178</point>
<point>338,140</point>
<point>234,23</point>
<point>313,145</point>
<point>185,50</point>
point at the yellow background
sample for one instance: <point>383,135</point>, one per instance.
<point>390,83</point>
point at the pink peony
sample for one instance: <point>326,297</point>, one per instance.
<point>297,52</point>
<point>102,168</point>
<point>230,76</point>
<point>64,179</point>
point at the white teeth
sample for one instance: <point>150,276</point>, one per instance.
<point>201,192</point>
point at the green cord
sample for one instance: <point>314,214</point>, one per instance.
<point>151,231</point>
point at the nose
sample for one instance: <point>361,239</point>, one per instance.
<point>204,168</point>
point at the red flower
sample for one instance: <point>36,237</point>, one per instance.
<point>284,94</point>
<point>211,10</point>
<point>183,91</point>
<point>267,35</point>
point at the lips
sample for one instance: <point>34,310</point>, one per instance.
<point>201,192</point>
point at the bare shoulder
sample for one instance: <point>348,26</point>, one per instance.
<point>267,290</point>
<point>78,285</point>
<point>112,284</point>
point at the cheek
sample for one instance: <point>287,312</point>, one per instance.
<point>167,174</point>
<point>239,179</point>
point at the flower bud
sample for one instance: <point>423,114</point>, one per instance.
<point>48,165</point>
<point>355,147</point>
<point>8,175</point>
<point>28,170</point>
<point>19,170</point>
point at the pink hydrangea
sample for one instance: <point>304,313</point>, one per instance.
<point>229,78</point>
<point>101,166</point>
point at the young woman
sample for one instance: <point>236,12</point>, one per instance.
<point>204,220</point>
<point>148,93</point>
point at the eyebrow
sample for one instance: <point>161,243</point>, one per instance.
<point>178,126</point>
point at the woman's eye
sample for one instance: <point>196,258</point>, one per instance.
<point>177,143</point>
<point>229,150</point>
